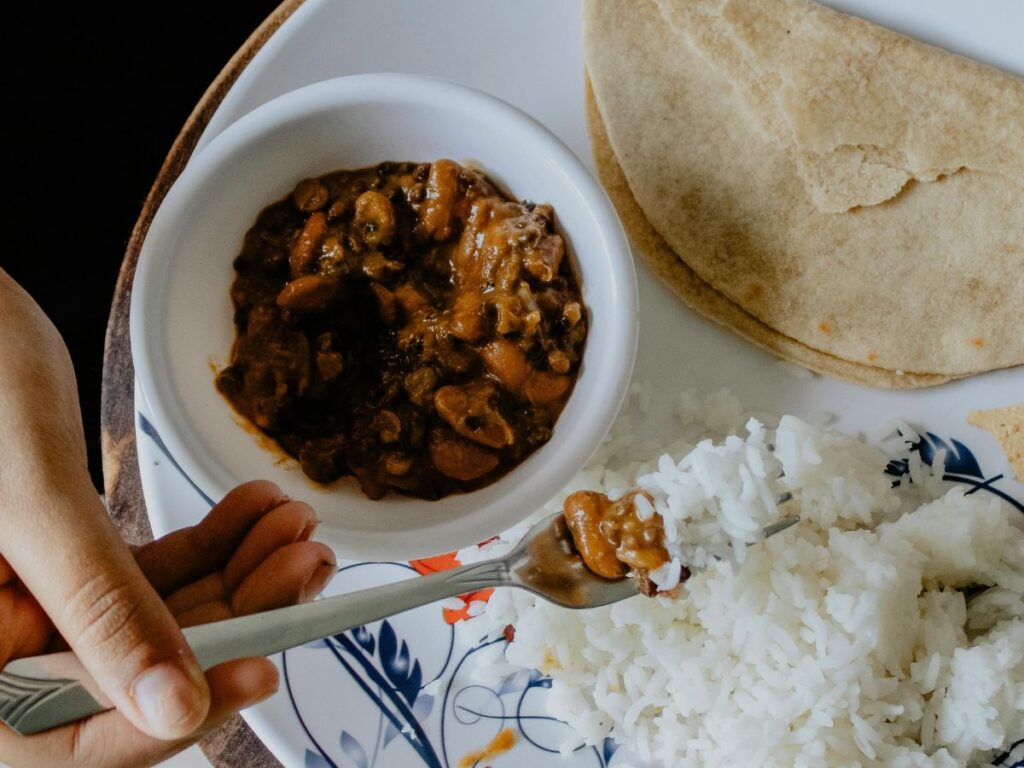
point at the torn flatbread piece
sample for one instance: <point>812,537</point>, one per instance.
<point>1006,425</point>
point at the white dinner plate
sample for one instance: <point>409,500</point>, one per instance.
<point>368,699</point>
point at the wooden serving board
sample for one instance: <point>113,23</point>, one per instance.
<point>234,745</point>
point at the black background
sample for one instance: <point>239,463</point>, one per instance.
<point>94,97</point>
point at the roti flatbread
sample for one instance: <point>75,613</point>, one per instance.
<point>925,273</point>
<point>709,303</point>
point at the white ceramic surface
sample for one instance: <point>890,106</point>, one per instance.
<point>528,53</point>
<point>181,316</point>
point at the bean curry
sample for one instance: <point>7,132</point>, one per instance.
<point>614,539</point>
<point>408,324</point>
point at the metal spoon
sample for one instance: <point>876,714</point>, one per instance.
<point>43,692</point>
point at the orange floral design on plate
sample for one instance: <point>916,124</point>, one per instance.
<point>428,565</point>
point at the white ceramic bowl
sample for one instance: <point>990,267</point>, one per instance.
<point>181,314</point>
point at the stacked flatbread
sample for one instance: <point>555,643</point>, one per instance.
<point>846,197</point>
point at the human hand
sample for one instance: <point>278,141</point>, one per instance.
<point>66,575</point>
<point>250,554</point>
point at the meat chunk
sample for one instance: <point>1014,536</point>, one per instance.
<point>271,370</point>
<point>611,537</point>
<point>309,293</point>
<point>375,216</point>
<point>310,195</point>
<point>543,261</point>
<point>584,512</point>
<point>458,458</point>
<point>470,411</point>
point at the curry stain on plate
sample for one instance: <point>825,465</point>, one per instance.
<point>503,742</point>
<point>550,664</point>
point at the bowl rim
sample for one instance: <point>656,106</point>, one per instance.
<point>172,420</point>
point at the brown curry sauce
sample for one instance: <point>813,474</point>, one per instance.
<point>407,324</point>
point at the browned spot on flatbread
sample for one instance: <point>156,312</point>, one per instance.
<point>824,327</point>
<point>1006,425</point>
<point>978,342</point>
<point>872,356</point>
<point>754,292</point>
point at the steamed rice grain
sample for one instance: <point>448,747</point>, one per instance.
<point>844,641</point>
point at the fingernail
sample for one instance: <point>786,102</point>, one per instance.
<point>271,685</point>
<point>317,581</point>
<point>307,530</point>
<point>169,701</point>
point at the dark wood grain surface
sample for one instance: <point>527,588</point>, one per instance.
<point>234,745</point>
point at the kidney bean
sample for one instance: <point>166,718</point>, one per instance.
<point>310,195</point>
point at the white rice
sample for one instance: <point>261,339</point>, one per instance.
<point>841,642</point>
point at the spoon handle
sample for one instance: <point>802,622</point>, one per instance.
<point>43,692</point>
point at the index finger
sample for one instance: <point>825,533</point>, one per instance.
<point>187,555</point>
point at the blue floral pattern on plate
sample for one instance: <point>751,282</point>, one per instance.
<point>414,680</point>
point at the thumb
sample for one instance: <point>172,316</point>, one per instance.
<point>66,550</point>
